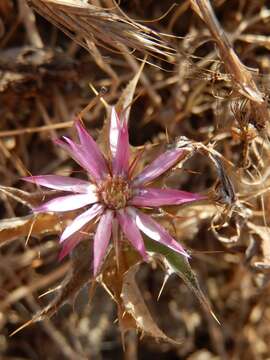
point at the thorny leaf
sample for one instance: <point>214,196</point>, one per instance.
<point>112,281</point>
<point>125,101</point>
<point>78,276</point>
<point>121,285</point>
<point>179,265</point>
<point>134,304</point>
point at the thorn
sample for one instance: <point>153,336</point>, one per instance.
<point>166,277</point>
<point>30,231</point>
<point>214,316</point>
<point>21,327</point>
<point>50,291</point>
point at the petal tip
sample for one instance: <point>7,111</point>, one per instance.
<point>27,178</point>
<point>38,209</point>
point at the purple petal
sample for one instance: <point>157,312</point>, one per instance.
<point>132,232</point>
<point>161,164</point>
<point>114,131</point>
<point>81,220</point>
<point>70,244</point>
<point>67,203</point>
<point>91,150</point>
<point>156,232</point>
<point>158,197</point>
<point>58,182</point>
<point>102,238</point>
<point>121,160</point>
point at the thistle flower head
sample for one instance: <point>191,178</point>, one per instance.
<point>112,195</point>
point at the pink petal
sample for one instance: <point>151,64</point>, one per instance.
<point>161,164</point>
<point>70,244</point>
<point>158,197</point>
<point>102,238</point>
<point>67,203</point>
<point>91,150</point>
<point>77,153</point>
<point>132,232</point>
<point>58,182</point>
<point>121,160</point>
<point>81,220</point>
<point>70,147</point>
<point>156,232</point>
<point>114,131</point>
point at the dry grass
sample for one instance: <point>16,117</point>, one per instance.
<point>208,81</point>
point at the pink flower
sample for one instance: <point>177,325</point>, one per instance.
<point>112,195</point>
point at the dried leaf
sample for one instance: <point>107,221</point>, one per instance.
<point>242,77</point>
<point>134,304</point>
<point>263,232</point>
<point>12,229</point>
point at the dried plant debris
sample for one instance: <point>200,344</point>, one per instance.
<point>77,277</point>
<point>187,84</point>
<point>134,304</point>
<point>240,74</point>
<point>88,23</point>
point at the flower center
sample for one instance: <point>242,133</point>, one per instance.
<point>114,192</point>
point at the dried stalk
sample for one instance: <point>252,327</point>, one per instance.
<point>241,76</point>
